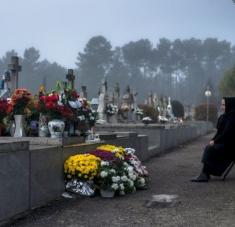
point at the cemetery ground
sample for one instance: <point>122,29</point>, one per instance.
<point>198,204</point>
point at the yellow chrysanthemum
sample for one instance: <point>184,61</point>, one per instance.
<point>118,151</point>
<point>82,165</point>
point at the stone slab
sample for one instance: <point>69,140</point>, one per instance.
<point>46,175</point>
<point>14,187</point>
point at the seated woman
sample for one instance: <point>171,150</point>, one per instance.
<point>220,151</point>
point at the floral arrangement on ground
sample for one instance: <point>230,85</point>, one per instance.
<point>108,168</point>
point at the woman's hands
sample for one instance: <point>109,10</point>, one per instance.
<point>211,142</point>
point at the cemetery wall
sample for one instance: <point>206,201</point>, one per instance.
<point>160,137</point>
<point>32,176</point>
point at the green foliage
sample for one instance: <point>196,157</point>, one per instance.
<point>94,63</point>
<point>179,68</point>
<point>201,113</point>
<point>149,111</point>
<point>227,85</point>
<point>177,108</point>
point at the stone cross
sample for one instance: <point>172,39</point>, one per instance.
<point>116,95</point>
<point>15,68</point>
<point>150,99</point>
<point>70,77</point>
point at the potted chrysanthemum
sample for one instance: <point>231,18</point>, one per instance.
<point>107,179</point>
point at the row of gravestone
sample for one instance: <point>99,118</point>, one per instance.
<point>110,108</point>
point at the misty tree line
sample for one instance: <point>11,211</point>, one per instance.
<point>181,69</point>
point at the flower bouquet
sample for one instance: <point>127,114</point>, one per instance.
<point>80,170</point>
<point>111,109</point>
<point>116,176</point>
<point>21,100</point>
<point>5,108</point>
<point>50,106</point>
<point>82,166</point>
<point>113,170</point>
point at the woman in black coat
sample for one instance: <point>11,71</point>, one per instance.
<point>220,151</point>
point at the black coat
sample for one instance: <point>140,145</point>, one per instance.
<point>226,132</point>
<point>217,157</point>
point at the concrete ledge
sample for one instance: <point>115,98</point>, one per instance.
<point>47,141</point>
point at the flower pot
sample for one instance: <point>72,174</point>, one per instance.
<point>107,193</point>
<point>43,130</point>
<point>56,128</point>
<point>19,126</point>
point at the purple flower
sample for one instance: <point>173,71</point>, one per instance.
<point>104,155</point>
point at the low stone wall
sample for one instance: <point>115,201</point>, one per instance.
<point>160,137</point>
<point>31,175</point>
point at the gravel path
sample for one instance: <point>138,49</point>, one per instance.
<point>199,204</point>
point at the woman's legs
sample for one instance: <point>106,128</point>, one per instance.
<point>214,162</point>
<point>204,176</point>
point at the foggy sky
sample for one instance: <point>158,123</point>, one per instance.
<point>61,28</point>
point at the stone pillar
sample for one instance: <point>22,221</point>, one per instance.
<point>84,92</point>
<point>15,68</point>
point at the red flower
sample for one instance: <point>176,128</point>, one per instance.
<point>53,98</point>
<point>3,105</point>
<point>75,94</point>
<point>43,98</point>
<point>50,105</point>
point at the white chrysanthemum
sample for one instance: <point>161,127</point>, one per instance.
<point>142,181</point>
<point>114,186</point>
<point>124,178</point>
<point>114,179</point>
<point>125,164</point>
<point>132,176</point>
<point>104,163</point>
<point>118,178</point>
<point>112,171</point>
<point>130,169</point>
<point>131,183</point>
<point>121,187</point>
<point>103,174</point>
